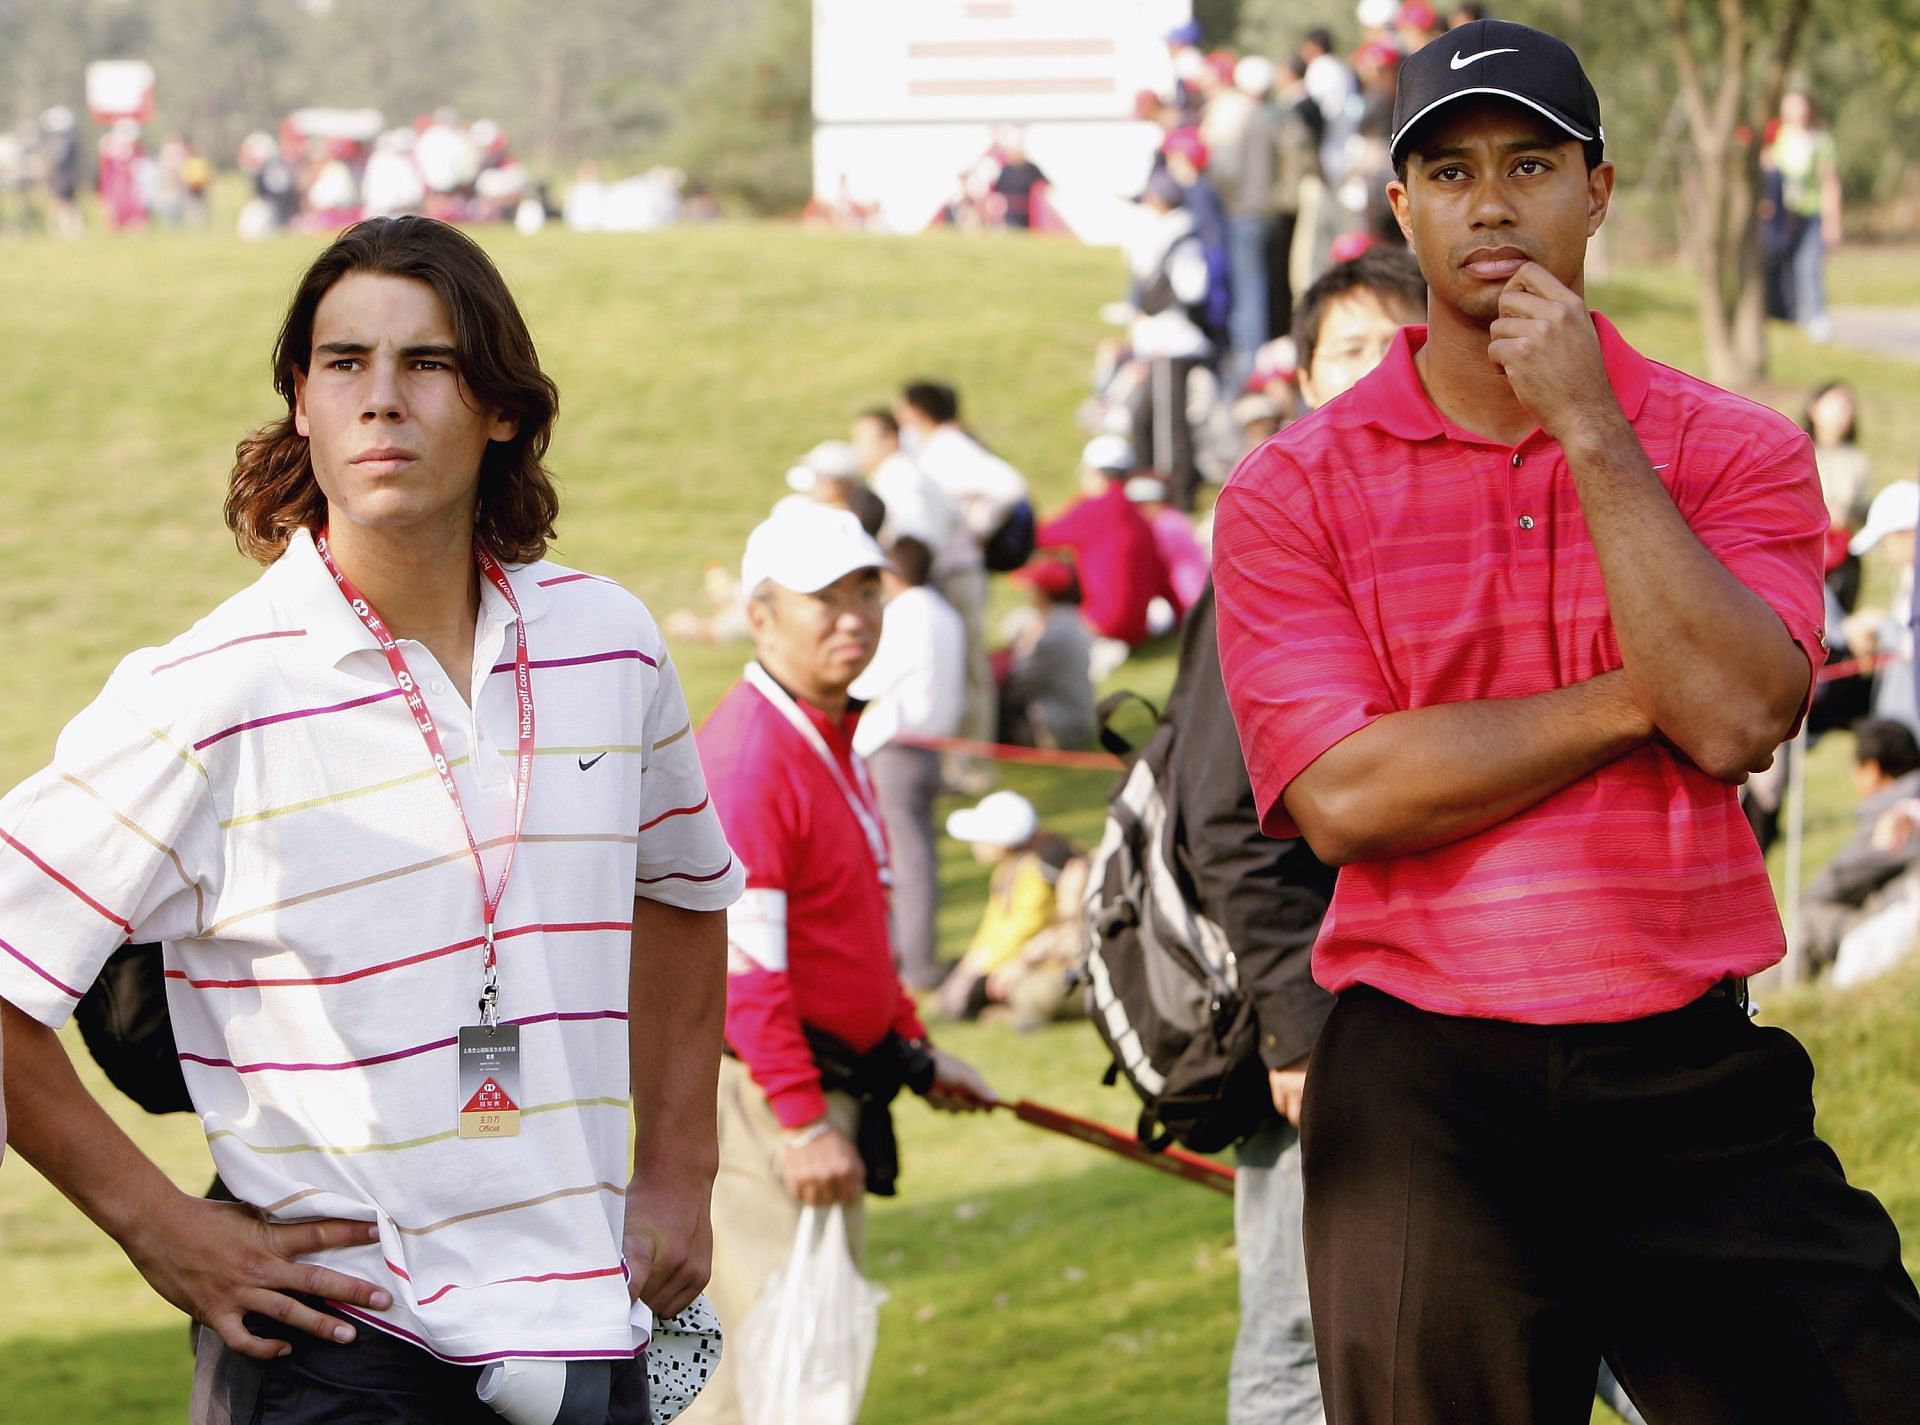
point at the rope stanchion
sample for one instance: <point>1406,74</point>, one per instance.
<point>1006,752</point>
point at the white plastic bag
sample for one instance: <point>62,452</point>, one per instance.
<point>804,1351</point>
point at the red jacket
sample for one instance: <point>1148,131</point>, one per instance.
<point>793,827</point>
<point>1121,571</point>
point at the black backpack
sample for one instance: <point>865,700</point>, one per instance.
<point>1011,544</point>
<point>1162,986</point>
<point>123,1019</point>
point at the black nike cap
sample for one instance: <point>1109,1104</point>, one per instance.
<point>1501,60</point>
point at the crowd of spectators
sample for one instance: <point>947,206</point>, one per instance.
<point>139,182</point>
<point>321,170</point>
<point>327,168</point>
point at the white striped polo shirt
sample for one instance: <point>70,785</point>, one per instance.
<point>257,796</point>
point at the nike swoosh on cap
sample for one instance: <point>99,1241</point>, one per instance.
<point>1458,62</point>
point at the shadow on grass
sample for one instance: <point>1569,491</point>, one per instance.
<point>128,1377</point>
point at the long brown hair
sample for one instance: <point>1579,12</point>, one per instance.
<point>273,492</point>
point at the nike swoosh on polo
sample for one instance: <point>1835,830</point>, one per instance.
<point>1457,62</point>
<point>586,762</point>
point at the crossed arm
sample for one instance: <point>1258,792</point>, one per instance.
<point>1708,665</point>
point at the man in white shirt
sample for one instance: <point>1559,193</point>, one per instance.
<point>412,1059</point>
<point>914,688</point>
<point>916,508</point>
<point>984,489</point>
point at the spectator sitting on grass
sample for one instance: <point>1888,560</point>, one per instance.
<point>1886,772</point>
<point>1046,682</point>
<point>1022,956</point>
<point>1180,549</point>
<point>831,474</point>
<point>1121,570</point>
<point>916,508</point>
<point>1885,633</point>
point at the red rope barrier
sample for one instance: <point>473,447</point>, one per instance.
<point>1005,752</point>
<point>1833,672</point>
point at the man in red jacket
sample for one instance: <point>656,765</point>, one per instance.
<point>820,1034</point>
<point>1121,571</point>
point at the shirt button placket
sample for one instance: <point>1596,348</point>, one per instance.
<point>1526,521</point>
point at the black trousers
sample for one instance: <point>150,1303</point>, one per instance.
<point>377,1380</point>
<point>1162,437</point>
<point>1492,1207</point>
<point>1280,292</point>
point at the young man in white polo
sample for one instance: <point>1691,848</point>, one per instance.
<point>419,820</point>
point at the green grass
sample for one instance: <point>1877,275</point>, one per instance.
<point>1032,1280</point>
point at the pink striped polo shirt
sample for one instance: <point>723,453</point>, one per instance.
<point>257,796</point>
<point>1375,557</point>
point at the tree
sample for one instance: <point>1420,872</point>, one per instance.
<point>1729,80</point>
<point>745,126</point>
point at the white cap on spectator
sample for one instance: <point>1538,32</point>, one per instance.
<point>1376,14</point>
<point>1894,509</point>
<point>829,460</point>
<point>805,546</point>
<point>1108,452</point>
<point>1002,819</point>
<point>1148,490</point>
<point>1253,75</point>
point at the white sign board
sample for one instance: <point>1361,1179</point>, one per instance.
<point>120,89</point>
<point>907,93</point>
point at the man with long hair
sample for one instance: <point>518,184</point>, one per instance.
<point>418,820</point>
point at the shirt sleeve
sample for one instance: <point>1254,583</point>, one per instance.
<point>762,1018</point>
<point>1300,672</point>
<point>682,857</point>
<point>1766,521</point>
<point>1065,529</point>
<point>116,840</point>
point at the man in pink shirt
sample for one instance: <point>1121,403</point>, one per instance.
<point>1121,571</point>
<point>1502,628</point>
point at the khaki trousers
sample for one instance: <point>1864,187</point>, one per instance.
<point>754,1221</point>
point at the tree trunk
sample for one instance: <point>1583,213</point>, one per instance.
<point>1750,291</point>
<point>1719,175</point>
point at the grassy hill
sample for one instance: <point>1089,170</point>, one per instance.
<point>1032,1280</point>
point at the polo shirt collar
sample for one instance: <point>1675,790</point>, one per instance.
<point>1392,397</point>
<point>836,733</point>
<point>305,592</point>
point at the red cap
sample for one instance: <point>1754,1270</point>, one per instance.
<point>1052,577</point>
<point>1221,62</point>
<point>1374,55</point>
<point>1188,144</point>
<point>1416,13</point>
<point>1348,246</point>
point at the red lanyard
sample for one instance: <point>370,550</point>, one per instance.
<point>423,719</point>
<point>860,797</point>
